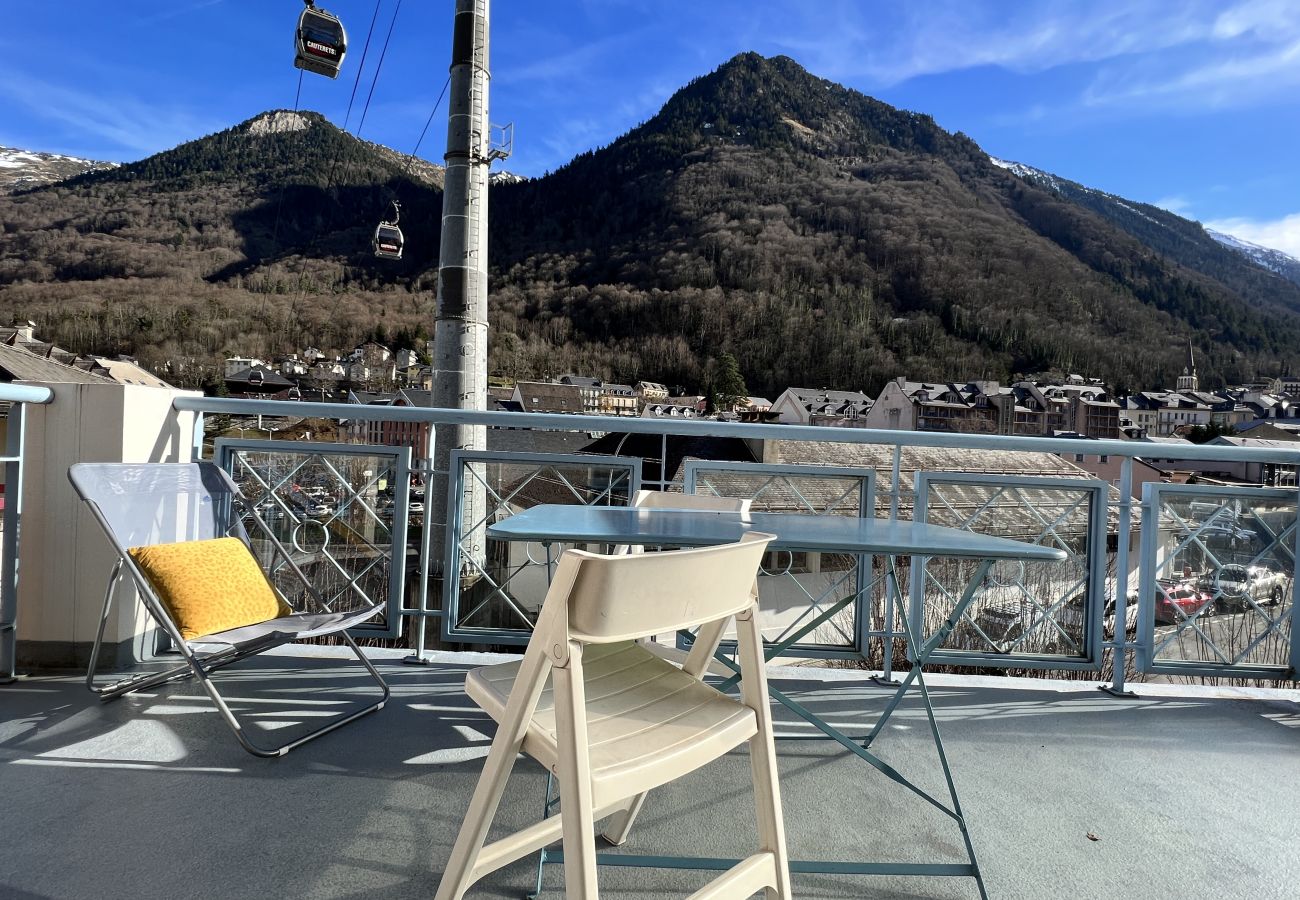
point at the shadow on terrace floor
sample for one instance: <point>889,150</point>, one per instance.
<point>151,797</point>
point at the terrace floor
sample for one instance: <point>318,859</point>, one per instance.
<point>1188,792</point>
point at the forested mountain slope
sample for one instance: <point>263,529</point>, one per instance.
<point>821,237</point>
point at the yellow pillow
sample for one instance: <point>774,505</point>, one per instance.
<point>209,586</point>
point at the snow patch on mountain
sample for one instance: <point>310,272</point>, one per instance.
<point>22,169</point>
<point>1274,260</point>
<point>1028,172</point>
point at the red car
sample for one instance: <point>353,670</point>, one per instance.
<point>1179,601</point>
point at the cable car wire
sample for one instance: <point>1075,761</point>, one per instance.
<point>334,161</point>
<point>279,205</point>
<point>378,68</point>
<point>429,121</point>
<point>356,83</point>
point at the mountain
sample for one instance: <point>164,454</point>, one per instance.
<point>825,238</point>
<point>1217,255</point>
<point>819,236</point>
<point>24,169</point>
<point>1274,260</point>
<point>249,241</point>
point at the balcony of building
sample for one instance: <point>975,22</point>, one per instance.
<point>1177,781</point>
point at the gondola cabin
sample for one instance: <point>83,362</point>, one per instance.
<point>388,241</point>
<point>321,42</point>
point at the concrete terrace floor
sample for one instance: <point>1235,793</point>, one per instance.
<point>1188,792</point>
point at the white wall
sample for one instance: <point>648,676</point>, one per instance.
<point>64,558</point>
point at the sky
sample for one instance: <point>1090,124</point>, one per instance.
<point>1192,105</point>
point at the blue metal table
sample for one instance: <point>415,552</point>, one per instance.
<point>564,524</point>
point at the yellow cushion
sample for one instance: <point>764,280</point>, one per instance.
<point>209,586</point>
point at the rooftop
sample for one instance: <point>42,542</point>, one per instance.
<point>1180,792</point>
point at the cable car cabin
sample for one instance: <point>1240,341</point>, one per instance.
<point>388,241</point>
<point>321,42</point>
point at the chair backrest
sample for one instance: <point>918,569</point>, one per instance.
<point>142,504</point>
<point>671,500</point>
<point>623,597</point>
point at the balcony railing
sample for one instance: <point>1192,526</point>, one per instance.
<point>1209,590</point>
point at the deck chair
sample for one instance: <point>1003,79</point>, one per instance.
<point>178,530</point>
<point>613,720</point>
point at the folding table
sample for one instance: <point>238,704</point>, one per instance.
<point>565,524</point>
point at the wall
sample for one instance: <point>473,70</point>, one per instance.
<point>64,557</point>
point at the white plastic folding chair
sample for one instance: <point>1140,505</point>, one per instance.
<point>156,506</point>
<point>613,720</point>
<point>674,500</point>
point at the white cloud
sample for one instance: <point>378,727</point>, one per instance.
<point>1279,234</point>
<point>1177,204</point>
<point>131,128</point>
<point>1229,79</point>
<point>939,37</point>
<point>1263,18</point>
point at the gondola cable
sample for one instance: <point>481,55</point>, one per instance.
<point>429,121</point>
<point>356,83</point>
<point>378,68</point>
<point>279,206</point>
<point>365,50</point>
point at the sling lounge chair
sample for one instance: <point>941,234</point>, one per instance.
<point>179,533</point>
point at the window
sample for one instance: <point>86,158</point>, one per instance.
<point>1078,457</point>
<point>1103,459</point>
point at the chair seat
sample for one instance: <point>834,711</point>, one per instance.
<point>296,627</point>
<point>648,722</point>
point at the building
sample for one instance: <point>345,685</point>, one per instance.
<point>550,397</point>
<point>619,400</point>
<point>651,391</point>
<point>808,406</point>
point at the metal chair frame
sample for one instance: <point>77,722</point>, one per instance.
<point>234,645</point>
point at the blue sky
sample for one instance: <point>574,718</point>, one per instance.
<point>1190,104</point>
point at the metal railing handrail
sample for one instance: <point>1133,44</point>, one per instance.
<point>714,428</point>
<point>25,393</point>
<point>20,395</point>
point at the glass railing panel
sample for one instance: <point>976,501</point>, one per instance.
<point>833,594</point>
<point>493,595</point>
<point>1218,565</point>
<point>342,513</point>
<point>1024,613</point>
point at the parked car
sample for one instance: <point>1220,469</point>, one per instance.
<point>1175,602</point>
<point>1004,624</point>
<point>269,509</point>
<point>1236,585</point>
<point>1226,534</point>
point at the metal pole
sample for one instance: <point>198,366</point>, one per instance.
<point>9,565</point>
<point>1125,526</point>
<point>460,327</point>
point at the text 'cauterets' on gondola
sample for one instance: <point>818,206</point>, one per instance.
<point>388,239</point>
<point>321,41</point>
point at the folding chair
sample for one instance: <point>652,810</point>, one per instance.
<point>613,720</point>
<point>178,530</point>
<point>673,500</point>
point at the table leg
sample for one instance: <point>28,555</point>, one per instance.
<point>922,652</point>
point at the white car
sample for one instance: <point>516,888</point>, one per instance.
<point>1236,585</point>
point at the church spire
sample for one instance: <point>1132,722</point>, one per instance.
<point>1188,380</point>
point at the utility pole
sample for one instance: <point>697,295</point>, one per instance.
<point>461,321</point>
